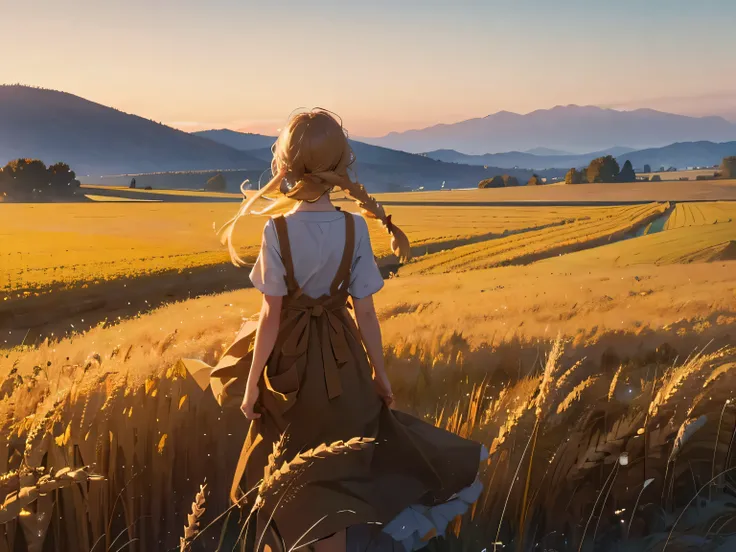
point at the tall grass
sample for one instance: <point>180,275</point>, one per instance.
<point>106,446</point>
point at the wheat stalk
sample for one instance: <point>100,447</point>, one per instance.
<point>547,384</point>
<point>718,372</point>
<point>567,374</point>
<point>678,377</point>
<point>280,477</point>
<point>687,430</point>
<point>614,382</point>
<point>575,394</point>
<point>545,389</point>
<point>191,529</point>
<point>33,485</point>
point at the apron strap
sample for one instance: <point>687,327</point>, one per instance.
<point>342,277</point>
<point>292,285</point>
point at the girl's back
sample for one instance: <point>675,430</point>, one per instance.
<point>317,241</point>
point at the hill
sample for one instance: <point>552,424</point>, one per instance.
<point>682,155</point>
<point>95,139</point>
<point>384,169</point>
<point>244,141</point>
<point>571,128</point>
<point>547,151</point>
<point>525,160</point>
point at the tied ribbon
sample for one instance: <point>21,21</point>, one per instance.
<point>301,321</point>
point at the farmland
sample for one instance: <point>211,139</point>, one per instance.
<point>700,214</point>
<point>641,295</point>
<point>49,245</point>
<point>591,226</point>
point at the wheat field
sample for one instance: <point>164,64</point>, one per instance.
<point>590,226</point>
<point>51,246</point>
<point>700,214</point>
<point>602,380</point>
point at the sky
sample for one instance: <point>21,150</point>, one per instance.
<point>383,65</point>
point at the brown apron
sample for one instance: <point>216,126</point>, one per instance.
<point>318,388</point>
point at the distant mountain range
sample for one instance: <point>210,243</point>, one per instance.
<point>387,169</point>
<point>244,141</point>
<point>95,139</point>
<point>680,155</point>
<point>570,128</point>
<point>524,159</point>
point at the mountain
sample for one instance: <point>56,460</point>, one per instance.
<point>547,151</point>
<point>574,128</point>
<point>95,139</point>
<point>681,155</point>
<point>244,141</point>
<point>525,160</point>
<point>383,169</point>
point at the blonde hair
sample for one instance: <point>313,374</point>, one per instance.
<point>311,157</point>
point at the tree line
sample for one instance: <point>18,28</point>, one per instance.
<point>506,181</point>
<point>602,170</point>
<point>32,180</point>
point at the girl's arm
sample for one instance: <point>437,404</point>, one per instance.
<point>266,334</point>
<point>370,331</point>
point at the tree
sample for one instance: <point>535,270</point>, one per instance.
<point>510,181</point>
<point>495,182</point>
<point>656,178</point>
<point>216,184</point>
<point>25,179</point>
<point>62,180</point>
<point>647,169</point>
<point>627,173</point>
<point>573,176</point>
<point>728,167</point>
<point>534,181</point>
<point>603,169</point>
<point>132,183</point>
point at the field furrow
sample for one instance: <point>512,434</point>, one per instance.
<point>610,223</point>
<point>698,214</point>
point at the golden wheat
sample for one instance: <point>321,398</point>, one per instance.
<point>191,529</point>
<point>576,393</point>
<point>280,478</point>
<point>614,382</point>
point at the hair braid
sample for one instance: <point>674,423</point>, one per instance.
<point>372,209</point>
<point>312,156</point>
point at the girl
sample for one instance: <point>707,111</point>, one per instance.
<point>317,373</point>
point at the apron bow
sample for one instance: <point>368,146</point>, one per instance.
<point>330,325</point>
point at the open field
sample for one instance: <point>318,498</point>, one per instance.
<point>676,175</point>
<point>622,193</point>
<point>467,352</point>
<point>635,192</point>
<point>699,214</point>
<point>598,225</point>
<point>624,418</point>
<point>71,244</point>
<point>108,193</point>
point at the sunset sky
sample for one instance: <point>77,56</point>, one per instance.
<point>381,64</point>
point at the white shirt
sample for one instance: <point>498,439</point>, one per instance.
<point>317,240</point>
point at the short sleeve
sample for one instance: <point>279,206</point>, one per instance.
<point>365,278</point>
<point>268,274</point>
